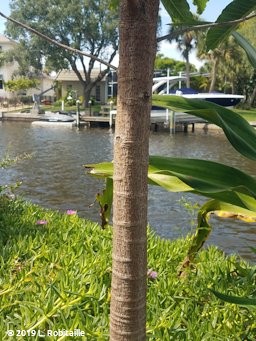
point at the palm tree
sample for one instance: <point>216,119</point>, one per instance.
<point>186,43</point>
<point>225,62</point>
<point>138,25</point>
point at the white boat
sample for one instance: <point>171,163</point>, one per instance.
<point>55,124</point>
<point>225,100</point>
<point>57,119</point>
<point>164,86</point>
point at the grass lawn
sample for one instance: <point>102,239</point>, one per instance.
<point>249,115</point>
<point>55,275</point>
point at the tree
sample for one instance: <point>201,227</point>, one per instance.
<point>186,42</point>
<point>25,59</point>
<point>163,63</point>
<point>20,84</point>
<point>247,29</point>
<point>138,25</point>
<point>84,25</point>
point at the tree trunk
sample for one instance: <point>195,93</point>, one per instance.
<point>253,97</point>
<point>213,74</point>
<point>187,70</point>
<point>138,23</point>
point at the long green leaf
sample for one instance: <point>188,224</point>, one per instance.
<point>235,299</point>
<point>249,49</point>
<point>235,10</point>
<point>223,183</point>
<point>239,132</point>
<point>201,175</point>
<point>178,11</point>
<point>231,190</point>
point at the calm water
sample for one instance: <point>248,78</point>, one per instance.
<point>55,177</point>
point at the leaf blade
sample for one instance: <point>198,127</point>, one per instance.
<point>239,132</point>
<point>235,10</point>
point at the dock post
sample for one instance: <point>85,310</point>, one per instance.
<point>78,113</point>
<point>111,114</point>
<point>172,122</point>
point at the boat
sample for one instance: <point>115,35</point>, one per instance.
<point>225,100</point>
<point>164,86</point>
<point>58,119</point>
<point>161,85</point>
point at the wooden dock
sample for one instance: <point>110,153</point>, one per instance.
<point>159,121</point>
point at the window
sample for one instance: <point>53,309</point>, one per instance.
<point>97,93</point>
<point>1,82</point>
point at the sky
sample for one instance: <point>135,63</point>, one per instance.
<point>213,10</point>
<point>211,13</point>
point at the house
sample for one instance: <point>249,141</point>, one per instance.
<point>69,84</point>
<point>8,68</point>
<point>67,81</point>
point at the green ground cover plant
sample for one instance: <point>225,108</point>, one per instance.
<point>55,275</point>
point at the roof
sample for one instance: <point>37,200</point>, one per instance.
<point>5,40</point>
<point>69,75</point>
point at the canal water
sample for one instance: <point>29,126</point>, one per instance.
<point>55,177</point>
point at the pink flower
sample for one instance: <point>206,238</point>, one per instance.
<point>41,222</point>
<point>71,212</point>
<point>152,274</point>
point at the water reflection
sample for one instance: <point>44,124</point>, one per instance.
<point>55,177</point>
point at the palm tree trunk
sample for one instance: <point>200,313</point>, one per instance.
<point>213,74</point>
<point>187,71</point>
<point>138,23</point>
<point>253,97</point>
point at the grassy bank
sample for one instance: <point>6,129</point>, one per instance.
<point>56,270</point>
<point>249,115</point>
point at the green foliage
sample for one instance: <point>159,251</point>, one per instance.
<point>57,274</point>
<point>175,66</point>
<point>235,10</point>
<point>88,26</point>
<point>200,5</point>
<point>19,84</point>
<point>231,190</point>
<point>249,49</point>
<point>235,299</point>
<point>179,10</point>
